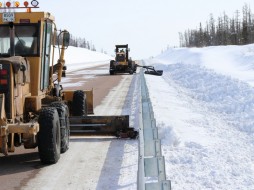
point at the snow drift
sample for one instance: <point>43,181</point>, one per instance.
<point>204,107</point>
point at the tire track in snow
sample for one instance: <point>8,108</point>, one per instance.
<point>123,173</point>
<point>91,161</point>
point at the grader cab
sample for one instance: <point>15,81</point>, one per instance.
<point>35,111</point>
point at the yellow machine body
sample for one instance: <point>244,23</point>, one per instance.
<point>34,108</point>
<point>27,75</point>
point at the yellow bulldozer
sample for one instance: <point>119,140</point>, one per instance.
<point>35,111</point>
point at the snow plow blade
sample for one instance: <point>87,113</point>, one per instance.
<point>102,125</point>
<point>151,71</point>
<point>155,72</point>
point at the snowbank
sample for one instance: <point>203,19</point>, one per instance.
<point>234,61</point>
<point>77,58</point>
<point>204,107</point>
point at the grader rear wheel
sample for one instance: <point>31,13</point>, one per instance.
<point>63,113</point>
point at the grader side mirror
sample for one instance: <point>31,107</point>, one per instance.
<point>63,74</point>
<point>66,39</point>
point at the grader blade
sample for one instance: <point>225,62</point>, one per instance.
<point>102,125</point>
<point>151,70</point>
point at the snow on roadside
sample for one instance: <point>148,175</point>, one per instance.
<point>80,58</point>
<point>204,113</point>
<point>233,61</point>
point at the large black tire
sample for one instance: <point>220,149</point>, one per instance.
<point>130,67</point>
<point>79,104</point>
<point>112,68</point>
<point>112,63</point>
<point>111,72</point>
<point>49,138</point>
<point>63,113</point>
<point>134,67</point>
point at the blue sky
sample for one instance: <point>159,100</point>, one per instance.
<point>148,26</point>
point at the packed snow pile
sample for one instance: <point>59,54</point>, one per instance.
<point>204,108</point>
<point>77,58</point>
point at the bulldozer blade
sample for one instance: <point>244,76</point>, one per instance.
<point>102,125</point>
<point>154,72</point>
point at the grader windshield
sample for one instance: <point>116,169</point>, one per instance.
<point>24,40</point>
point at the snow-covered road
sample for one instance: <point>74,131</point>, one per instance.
<point>102,163</point>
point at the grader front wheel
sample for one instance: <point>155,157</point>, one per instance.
<point>49,138</point>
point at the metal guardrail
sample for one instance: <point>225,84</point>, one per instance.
<point>151,163</point>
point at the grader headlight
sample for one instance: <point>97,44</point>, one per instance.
<point>26,4</point>
<point>34,3</point>
<point>8,4</point>
<point>16,4</point>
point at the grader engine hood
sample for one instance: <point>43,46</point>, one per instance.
<point>17,65</point>
<point>14,72</point>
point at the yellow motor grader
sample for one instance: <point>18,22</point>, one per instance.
<point>35,111</point>
<point>122,63</point>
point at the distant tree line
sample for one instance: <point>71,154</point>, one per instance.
<point>223,31</point>
<point>80,42</point>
